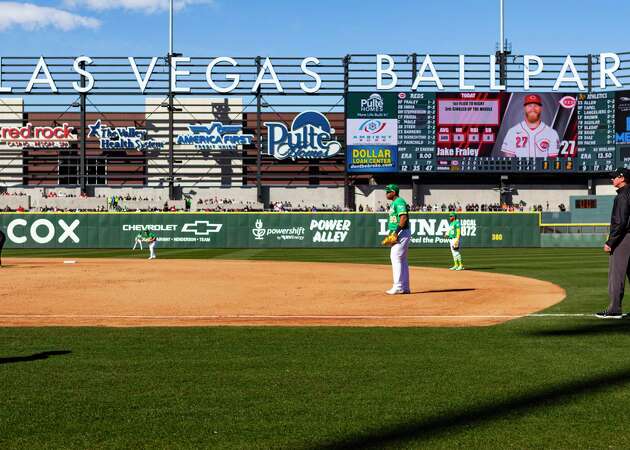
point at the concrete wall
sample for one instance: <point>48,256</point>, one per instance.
<point>153,194</point>
<point>437,194</point>
<point>15,201</point>
<point>307,196</point>
<point>600,214</point>
<point>145,205</point>
<point>70,203</point>
<point>248,194</point>
<point>603,186</point>
<point>374,197</point>
<point>554,194</point>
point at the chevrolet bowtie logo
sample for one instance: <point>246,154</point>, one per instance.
<point>201,228</point>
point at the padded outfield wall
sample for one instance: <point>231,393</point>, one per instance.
<point>259,230</point>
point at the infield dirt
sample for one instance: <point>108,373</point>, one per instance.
<point>174,292</point>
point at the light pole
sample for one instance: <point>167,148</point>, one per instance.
<point>504,48</point>
<point>170,27</point>
<point>171,121</point>
<point>501,27</point>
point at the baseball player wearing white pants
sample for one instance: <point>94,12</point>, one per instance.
<point>137,242</point>
<point>454,235</point>
<point>399,238</point>
<point>151,238</point>
<point>400,264</point>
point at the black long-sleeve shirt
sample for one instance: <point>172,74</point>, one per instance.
<point>620,217</point>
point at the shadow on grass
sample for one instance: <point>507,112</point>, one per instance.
<point>597,327</point>
<point>431,427</point>
<point>33,357</point>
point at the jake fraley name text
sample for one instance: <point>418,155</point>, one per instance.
<point>386,75</point>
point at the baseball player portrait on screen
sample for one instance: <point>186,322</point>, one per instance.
<point>531,138</point>
<point>398,238</point>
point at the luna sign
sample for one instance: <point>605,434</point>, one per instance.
<point>533,66</point>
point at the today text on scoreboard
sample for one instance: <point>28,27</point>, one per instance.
<point>487,132</point>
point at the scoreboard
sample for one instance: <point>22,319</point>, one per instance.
<point>416,131</point>
<point>420,132</point>
<point>596,132</point>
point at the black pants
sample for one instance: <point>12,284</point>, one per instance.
<point>618,271</point>
<point>2,239</point>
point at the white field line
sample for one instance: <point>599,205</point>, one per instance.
<point>277,316</point>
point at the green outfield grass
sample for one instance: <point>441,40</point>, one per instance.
<point>537,382</point>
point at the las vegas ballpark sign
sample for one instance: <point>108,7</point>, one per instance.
<point>385,74</point>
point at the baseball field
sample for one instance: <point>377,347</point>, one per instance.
<point>544,376</point>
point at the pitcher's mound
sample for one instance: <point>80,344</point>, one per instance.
<point>132,292</point>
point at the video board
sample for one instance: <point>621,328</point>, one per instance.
<point>487,132</point>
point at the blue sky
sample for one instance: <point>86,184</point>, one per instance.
<point>296,28</point>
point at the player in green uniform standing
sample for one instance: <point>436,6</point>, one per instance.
<point>399,238</point>
<point>151,238</point>
<point>454,235</point>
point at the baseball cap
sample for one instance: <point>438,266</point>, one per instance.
<point>392,188</point>
<point>621,172</point>
<point>453,215</point>
<point>532,98</point>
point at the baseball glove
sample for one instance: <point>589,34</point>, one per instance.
<point>390,240</point>
<point>456,244</point>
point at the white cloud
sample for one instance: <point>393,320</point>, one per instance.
<point>149,6</point>
<point>31,17</point>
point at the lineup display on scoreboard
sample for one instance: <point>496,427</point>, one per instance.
<point>487,132</point>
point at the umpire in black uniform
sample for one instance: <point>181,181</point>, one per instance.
<point>618,245</point>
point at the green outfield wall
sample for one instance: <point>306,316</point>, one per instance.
<point>259,230</point>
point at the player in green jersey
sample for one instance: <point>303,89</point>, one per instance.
<point>151,238</point>
<point>398,226</point>
<point>454,235</point>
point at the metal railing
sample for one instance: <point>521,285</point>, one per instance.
<point>164,114</point>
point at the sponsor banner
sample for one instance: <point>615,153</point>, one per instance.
<point>123,138</point>
<point>372,131</point>
<point>256,230</point>
<point>372,105</point>
<point>372,158</point>
<point>30,136</point>
<point>310,137</point>
<point>622,118</point>
<point>216,136</point>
